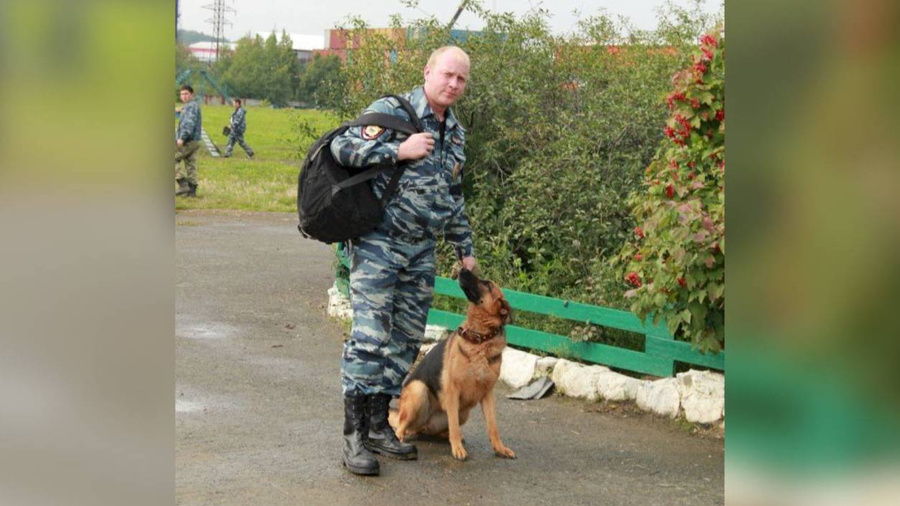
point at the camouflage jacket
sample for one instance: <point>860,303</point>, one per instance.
<point>429,197</point>
<point>239,121</point>
<point>190,123</point>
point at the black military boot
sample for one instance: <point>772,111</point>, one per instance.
<point>382,439</point>
<point>192,192</point>
<point>184,188</point>
<point>357,458</point>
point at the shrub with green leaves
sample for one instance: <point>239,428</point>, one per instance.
<point>676,260</point>
<point>559,131</point>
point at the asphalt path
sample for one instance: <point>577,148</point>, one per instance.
<point>259,410</point>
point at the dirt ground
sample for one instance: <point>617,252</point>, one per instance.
<point>259,411</point>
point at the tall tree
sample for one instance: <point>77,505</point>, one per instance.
<point>289,63</point>
<point>317,78</point>
<point>245,74</point>
<point>266,69</point>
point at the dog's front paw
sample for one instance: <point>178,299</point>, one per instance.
<point>459,453</point>
<point>505,452</point>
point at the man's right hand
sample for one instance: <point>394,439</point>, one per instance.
<point>416,146</point>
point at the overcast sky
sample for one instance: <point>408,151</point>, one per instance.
<point>313,17</point>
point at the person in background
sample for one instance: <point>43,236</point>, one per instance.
<point>238,127</point>
<point>187,139</point>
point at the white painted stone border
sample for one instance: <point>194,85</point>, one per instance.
<point>338,305</point>
<point>697,395</point>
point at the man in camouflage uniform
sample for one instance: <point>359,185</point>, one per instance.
<point>393,268</point>
<point>188,142</point>
<point>237,128</point>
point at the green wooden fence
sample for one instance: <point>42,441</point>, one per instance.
<point>661,350</point>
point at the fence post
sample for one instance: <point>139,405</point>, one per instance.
<point>659,331</point>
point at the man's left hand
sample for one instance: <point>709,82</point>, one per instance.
<point>180,143</point>
<point>470,263</point>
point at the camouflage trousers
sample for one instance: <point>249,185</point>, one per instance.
<point>240,140</point>
<point>391,290</point>
<point>187,153</point>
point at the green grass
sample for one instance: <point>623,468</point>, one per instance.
<point>268,182</point>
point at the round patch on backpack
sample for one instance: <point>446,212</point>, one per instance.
<point>372,132</point>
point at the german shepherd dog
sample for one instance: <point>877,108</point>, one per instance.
<point>459,373</point>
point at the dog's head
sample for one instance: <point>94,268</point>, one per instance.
<point>487,305</point>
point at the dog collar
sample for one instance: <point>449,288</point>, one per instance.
<point>477,337</point>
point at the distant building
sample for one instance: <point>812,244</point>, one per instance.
<point>339,42</point>
<point>303,45</point>
<point>206,51</point>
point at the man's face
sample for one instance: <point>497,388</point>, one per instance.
<point>446,81</point>
<point>236,104</point>
<point>186,96</point>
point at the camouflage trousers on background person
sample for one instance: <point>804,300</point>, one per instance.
<point>187,154</point>
<point>240,140</point>
<point>391,289</point>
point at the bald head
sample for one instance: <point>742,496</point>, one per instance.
<point>455,51</point>
<point>446,76</point>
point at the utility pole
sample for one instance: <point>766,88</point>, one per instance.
<point>462,6</point>
<point>218,21</point>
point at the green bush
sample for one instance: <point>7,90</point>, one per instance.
<point>676,262</point>
<point>559,131</point>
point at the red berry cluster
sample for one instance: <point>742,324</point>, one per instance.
<point>673,97</point>
<point>682,282</point>
<point>670,190</point>
<point>683,132</point>
<point>720,115</point>
<point>707,42</point>
<point>638,231</point>
<point>633,279</point>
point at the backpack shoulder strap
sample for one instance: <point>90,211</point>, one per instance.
<point>414,125</point>
<point>385,120</point>
<point>417,123</point>
<point>394,123</point>
<point>408,108</point>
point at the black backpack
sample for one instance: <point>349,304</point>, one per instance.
<point>336,203</point>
